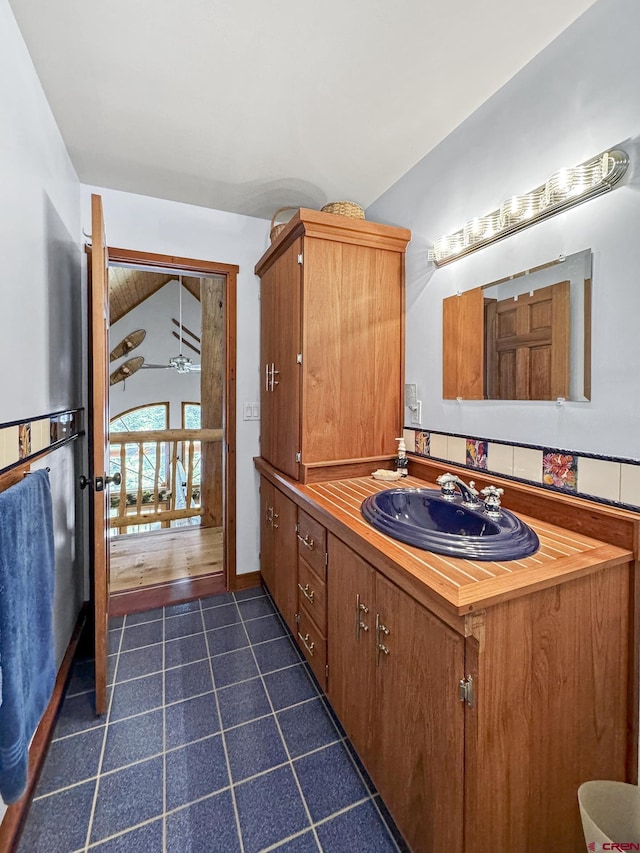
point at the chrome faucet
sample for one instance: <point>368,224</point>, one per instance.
<point>449,483</point>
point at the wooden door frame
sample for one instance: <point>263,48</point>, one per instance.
<point>134,258</point>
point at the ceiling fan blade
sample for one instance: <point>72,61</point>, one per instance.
<point>157,366</point>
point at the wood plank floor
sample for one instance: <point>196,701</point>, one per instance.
<point>142,559</point>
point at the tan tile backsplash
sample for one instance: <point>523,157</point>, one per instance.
<point>500,458</point>
<point>611,480</point>
<point>527,464</point>
<point>599,477</point>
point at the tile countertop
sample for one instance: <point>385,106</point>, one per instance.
<point>461,586</point>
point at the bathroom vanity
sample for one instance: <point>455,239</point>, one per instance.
<point>479,695</point>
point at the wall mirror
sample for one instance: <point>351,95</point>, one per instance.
<point>524,337</point>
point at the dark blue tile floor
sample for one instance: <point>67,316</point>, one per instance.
<point>217,738</point>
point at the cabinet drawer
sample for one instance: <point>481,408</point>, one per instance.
<point>312,594</point>
<point>312,543</point>
<point>314,646</point>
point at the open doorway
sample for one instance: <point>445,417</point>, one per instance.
<point>171,428</point>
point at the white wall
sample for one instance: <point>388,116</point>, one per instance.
<point>168,227</point>
<point>576,98</point>
<point>41,303</point>
<point>157,386</point>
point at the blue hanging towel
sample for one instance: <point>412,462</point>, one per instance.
<point>27,663</point>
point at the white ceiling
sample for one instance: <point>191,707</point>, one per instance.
<point>247,105</point>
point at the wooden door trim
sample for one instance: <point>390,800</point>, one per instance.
<point>136,258</point>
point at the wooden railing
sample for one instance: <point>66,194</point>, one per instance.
<point>151,486</point>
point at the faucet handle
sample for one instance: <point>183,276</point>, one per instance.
<point>492,500</point>
<point>447,482</point>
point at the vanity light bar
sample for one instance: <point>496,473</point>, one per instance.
<point>562,190</point>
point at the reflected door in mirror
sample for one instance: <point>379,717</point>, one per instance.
<point>527,345</point>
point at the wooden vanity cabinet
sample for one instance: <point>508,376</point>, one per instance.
<point>332,341</point>
<point>394,670</point>
<point>478,738</point>
<point>279,549</point>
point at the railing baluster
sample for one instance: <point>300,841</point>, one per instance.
<point>190,473</point>
<point>156,479</point>
<point>140,467</point>
<point>122,504</point>
<point>174,477</point>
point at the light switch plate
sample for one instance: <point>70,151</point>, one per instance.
<point>416,413</point>
<point>251,411</point>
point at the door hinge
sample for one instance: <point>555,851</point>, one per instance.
<point>299,358</point>
<point>299,456</point>
<point>297,618</point>
<point>300,258</point>
<point>326,558</point>
<point>326,671</point>
<point>465,690</point>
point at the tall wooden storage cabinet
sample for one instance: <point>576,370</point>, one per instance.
<point>332,341</point>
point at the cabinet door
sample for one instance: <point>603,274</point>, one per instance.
<point>419,768</point>
<point>280,343</point>
<point>351,650</point>
<point>278,549</point>
<point>267,560</point>
<point>353,345</point>
<point>285,556</point>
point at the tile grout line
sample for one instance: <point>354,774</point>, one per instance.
<point>104,745</point>
<point>284,743</point>
<point>224,740</point>
<point>347,743</point>
<point>344,739</point>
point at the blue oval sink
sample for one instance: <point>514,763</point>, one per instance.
<point>420,517</point>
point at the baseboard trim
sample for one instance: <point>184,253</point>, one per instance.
<point>164,594</point>
<point>16,814</point>
<point>246,581</point>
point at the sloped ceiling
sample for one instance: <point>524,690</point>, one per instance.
<point>130,287</point>
<point>246,106</point>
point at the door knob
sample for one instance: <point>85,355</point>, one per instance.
<point>83,481</point>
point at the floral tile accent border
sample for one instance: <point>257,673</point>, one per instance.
<point>24,440</point>
<point>21,440</point>
<point>476,453</point>
<point>605,479</point>
<point>560,470</point>
<point>423,442</point>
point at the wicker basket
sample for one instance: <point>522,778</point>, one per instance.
<point>345,208</point>
<point>276,229</point>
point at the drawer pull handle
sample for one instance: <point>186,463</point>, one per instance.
<point>381,631</point>
<point>306,540</point>
<point>360,609</point>
<point>305,642</point>
<point>306,590</point>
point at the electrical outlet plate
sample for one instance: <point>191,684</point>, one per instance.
<point>416,414</point>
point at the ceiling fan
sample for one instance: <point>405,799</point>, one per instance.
<point>180,363</point>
